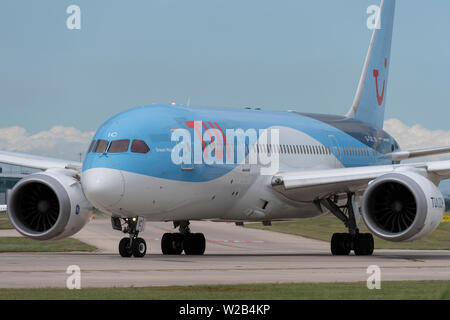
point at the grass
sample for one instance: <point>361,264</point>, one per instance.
<point>322,228</point>
<point>19,244</point>
<point>5,223</point>
<point>398,290</point>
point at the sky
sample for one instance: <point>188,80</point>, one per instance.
<point>58,85</point>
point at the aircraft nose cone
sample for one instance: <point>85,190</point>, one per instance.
<point>104,188</point>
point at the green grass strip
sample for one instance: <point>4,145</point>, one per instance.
<point>19,244</point>
<point>398,290</point>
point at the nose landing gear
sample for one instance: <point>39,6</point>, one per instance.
<point>184,240</point>
<point>131,245</point>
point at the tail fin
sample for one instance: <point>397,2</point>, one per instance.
<point>369,102</point>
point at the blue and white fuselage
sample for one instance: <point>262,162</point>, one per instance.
<point>151,185</point>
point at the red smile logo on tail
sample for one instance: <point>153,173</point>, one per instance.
<point>376,73</point>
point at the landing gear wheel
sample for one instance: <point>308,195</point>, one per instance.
<point>138,247</point>
<point>125,248</point>
<point>172,243</point>
<point>194,244</point>
<point>341,244</point>
<point>363,244</point>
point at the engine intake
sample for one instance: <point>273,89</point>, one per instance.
<point>402,206</point>
<point>48,205</point>
<point>393,207</point>
<point>37,207</point>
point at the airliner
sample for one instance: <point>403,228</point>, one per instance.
<point>163,163</point>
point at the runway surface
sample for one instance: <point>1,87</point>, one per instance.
<point>233,255</point>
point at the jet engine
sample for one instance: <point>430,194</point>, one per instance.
<point>402,206</point>
<point>48,205</point>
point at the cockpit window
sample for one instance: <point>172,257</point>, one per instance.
<point>119,146</point>
<point>92,145</point>
<point>139,146</point>
<point>100,146</point>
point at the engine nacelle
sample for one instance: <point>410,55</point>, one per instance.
<point>48,205</point>
<point>402,206</point>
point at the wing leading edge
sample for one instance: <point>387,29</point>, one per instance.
<point>313,185</point>
<point>36,162</point>
<point>409,154</point>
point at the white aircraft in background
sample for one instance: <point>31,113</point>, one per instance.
<point>344,165</point>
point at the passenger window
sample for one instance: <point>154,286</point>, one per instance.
<point>100,146</point>
<point>139,146</point>
<point>118,146</point>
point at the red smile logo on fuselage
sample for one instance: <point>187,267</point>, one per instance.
<point>376,73</point>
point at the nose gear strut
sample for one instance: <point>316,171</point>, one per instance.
<point>131,245</point>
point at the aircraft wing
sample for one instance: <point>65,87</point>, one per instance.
<point>403,155</point>
<point>36,162</point>
<point>312,185</point>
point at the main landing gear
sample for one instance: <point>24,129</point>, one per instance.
<point>342,243</point>
<point>131,245</point>
<point>175,243</point>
